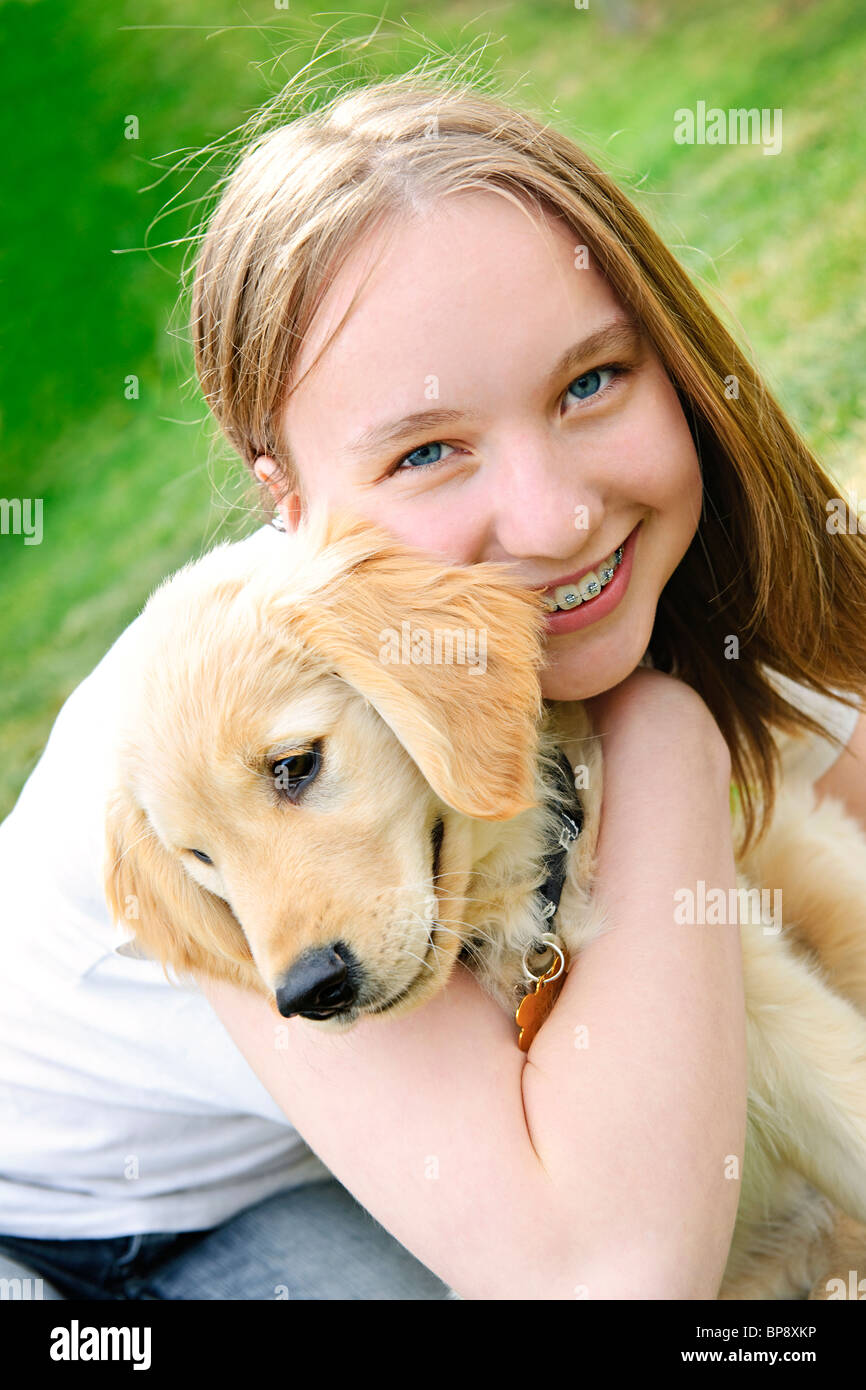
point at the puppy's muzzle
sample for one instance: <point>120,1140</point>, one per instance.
<point>320,983</point>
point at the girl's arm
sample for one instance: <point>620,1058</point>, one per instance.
<point>569,1172</point>
<point>659,1063</point>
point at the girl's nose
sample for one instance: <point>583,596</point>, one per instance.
<point>542,506</point>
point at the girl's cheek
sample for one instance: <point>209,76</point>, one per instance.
<point>659,434</point>
<point>665,470</point>
<point>452,533</point>
<point>662,479</point>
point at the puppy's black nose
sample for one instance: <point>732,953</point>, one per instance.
<point>318,984</point>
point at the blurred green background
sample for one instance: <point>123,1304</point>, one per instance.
<point>133,488</point>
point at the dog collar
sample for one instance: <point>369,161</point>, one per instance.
<point>535,1005</point>
<point>571,824</point>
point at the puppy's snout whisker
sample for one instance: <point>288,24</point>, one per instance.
<point>460,873</point>
<point>472,946</point>
<point>421,959</point>
<point>477,931</point>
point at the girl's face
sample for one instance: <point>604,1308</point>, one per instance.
<point>463,407</point>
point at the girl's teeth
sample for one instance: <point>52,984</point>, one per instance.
<point>589,587</point>
<point>567,596</point>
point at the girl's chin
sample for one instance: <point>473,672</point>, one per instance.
<point>582,673</point>
<point>565,689</point>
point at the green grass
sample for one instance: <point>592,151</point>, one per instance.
<point>128,487</point>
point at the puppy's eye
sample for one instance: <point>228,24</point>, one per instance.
<point>295,772</point>
<point>200,854</point>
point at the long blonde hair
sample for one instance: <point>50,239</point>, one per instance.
<point>763,565</point>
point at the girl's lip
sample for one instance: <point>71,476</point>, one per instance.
<point>596,608</point>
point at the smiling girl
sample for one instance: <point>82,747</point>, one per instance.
<point>485,348</point>
<point>423,305</point>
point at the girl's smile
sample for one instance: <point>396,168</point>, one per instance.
<point>594,592</point>
<point>485,399</point>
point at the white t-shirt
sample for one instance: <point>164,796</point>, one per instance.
<point>807,756</point>
<point>124,1104</point>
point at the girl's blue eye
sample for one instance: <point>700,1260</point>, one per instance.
<point>591,382</point>
<point>425,456</point>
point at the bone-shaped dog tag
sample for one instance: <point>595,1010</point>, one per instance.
<point>535,1007</point>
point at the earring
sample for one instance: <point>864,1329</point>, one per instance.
<point>277,522</point>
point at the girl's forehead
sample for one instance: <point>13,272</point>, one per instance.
<point>426,282</point>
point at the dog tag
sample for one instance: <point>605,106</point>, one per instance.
<point>535,1007</point>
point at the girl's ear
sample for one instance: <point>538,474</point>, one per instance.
<point>176,922</point>
<point>449,656</point>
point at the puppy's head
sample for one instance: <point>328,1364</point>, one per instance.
<point>309,731</point>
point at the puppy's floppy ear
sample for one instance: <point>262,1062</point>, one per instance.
<point>176,922</point>
<point>471,724</point>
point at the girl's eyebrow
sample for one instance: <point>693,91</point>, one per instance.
<point>616,335</point>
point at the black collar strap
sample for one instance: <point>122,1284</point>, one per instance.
<point>571,824</point>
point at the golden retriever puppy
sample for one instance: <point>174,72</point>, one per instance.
<point>335,776</point>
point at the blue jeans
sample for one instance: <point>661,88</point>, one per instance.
<point>311,1242</point>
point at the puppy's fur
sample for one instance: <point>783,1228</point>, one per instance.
<point>245,658</point>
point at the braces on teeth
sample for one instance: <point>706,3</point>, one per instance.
<point>584,589</point>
